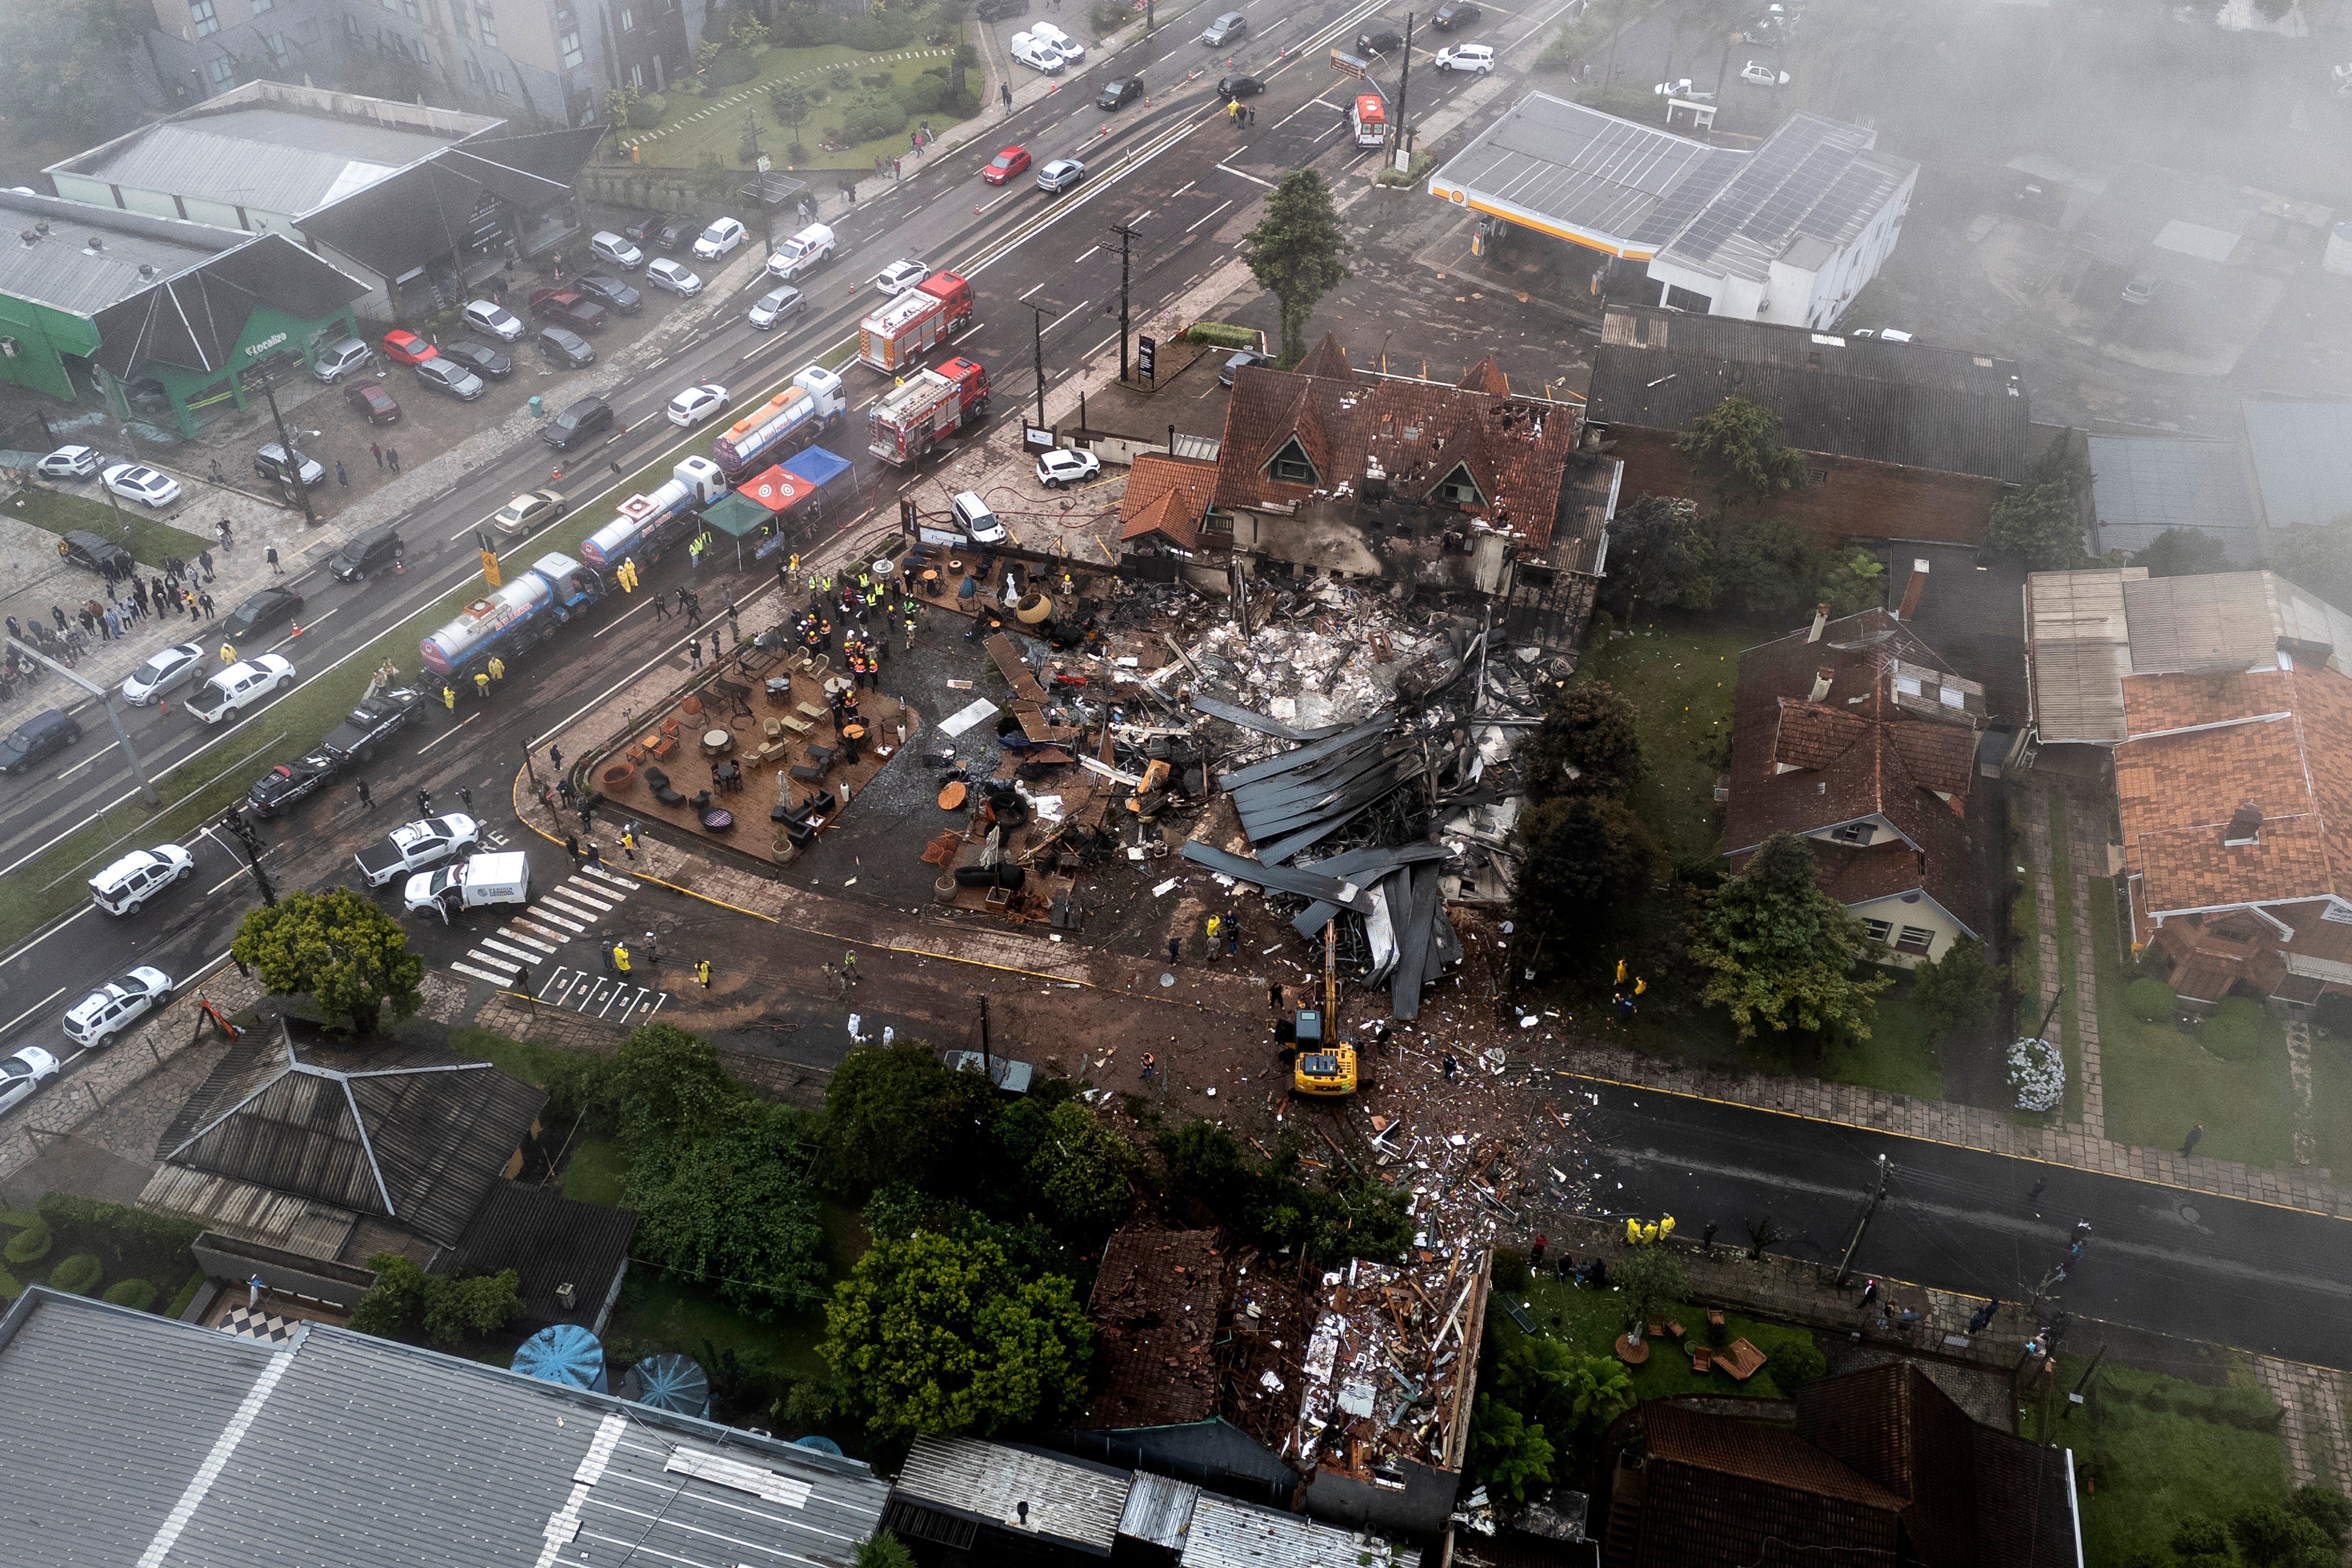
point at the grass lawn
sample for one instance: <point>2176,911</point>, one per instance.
<point>2159,1080</point>
<point>2159,1465</point>
<point>1900,1055</point>
<point>660,1313</point>
<point>698,126</point>
<point>2331,1101</point>
<point>134,528</point>
<point>1591,1321</point>
<point>1678,673</point>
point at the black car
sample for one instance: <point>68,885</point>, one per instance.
<point>39,737</point>
<point>480,358</point>
<point>1456,14</point>
<point>590,416</point>
<point>678,233</point>
<point>1230,88</point>
<point>368,552</point>
<point>1386,41</point>
<point>370,724</point>
<point>288,783</point>
<point>91,553</point>
<point>614,293</point>
<point>565,348</point>
<point>997,10</point>
<point>266,611</point>
<point>641,228</point>
<point>1119,90</point>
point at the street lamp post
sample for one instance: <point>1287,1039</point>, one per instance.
<point>1038,346</point>
<point>1125,235</point>
<point>286,445</point>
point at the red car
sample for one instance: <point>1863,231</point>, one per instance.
<point>407,348</point>
<point>372,401</point>
<point>564,307</point>
<point>1005,165</point>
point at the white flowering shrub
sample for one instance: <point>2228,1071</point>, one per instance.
<point>2037,1071</point>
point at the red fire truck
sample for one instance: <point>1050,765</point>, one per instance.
<point>897,334</point>
<point>931,405</point>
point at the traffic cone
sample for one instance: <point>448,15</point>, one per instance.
<point>296,631</point>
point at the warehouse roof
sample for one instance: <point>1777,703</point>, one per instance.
<point>2302,454</point>
<point>1806,192</point>
<point>550,1241</point>
<point>58,265</point>
<point>2142,485</point>
<point>151,1440</point>
<point>1225,1533</point>
<point>1073,1502</point>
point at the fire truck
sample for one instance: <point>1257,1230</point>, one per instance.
<point>1369,119</point>
<point>928,408</point>
<point>897,334</point>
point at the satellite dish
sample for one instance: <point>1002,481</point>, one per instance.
<point>672,1382</point>
<point>819,1442</point>
<point>566,1353</point>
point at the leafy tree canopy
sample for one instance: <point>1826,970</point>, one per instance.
<point>1589,743</point>
<point>405,1300</point>
<point>1660,556</point>
<point>62,74</point>
<point>1509,1451</point>
<point>1265,1202</point>
<point>1575,1397</point>
<point>1735,446</point>
<point>2271,1536</point>
<point>1774,571</point>
<point>902,1114</point>
<point>1294,253</point>
<point>733,1207</point>
<point>1584,862</point>
<point>2041,523</point>
<point>2183,553</point>
<point>2318,559</point>
<point>337,948</point>
<point>1959,989</point>
<point>1782,951</point>
<point>1080,1170</point>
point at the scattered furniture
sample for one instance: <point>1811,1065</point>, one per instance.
<point>1702,1358</point>
<point>812,712</point>
<point>659,746</point>
<point>1657,1329</point>
<point>1715,1328</point>
<point>669,725</point>
<point>716,743</point>
<point>1676,1329</point>
<point>771,726</point>
<point>690,706</point>
<point>797,726</point>
<point>806,775</point>
<point>1740,1360</point>
<point>1631,1351</point>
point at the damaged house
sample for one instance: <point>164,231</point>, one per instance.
<point>1854,735</point>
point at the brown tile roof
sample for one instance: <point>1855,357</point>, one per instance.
<point>1326,358</point>
<point>1486,376</point>
<point>1167,496</point>
<point>1417,433</point>
<point>1865,749</point>
<point>1156,1301</point>
<point>1760,1453</point>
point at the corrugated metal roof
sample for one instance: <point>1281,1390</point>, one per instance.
<point>1229,1534</point>
<point>2142,485</point>
<point>264,157</point>
<point>1159,1511</point>
<point>2216,623</point>
<point>1069,1501</point>
<point>283,1220</point>
<point>2303,458</point>
<point>59,269</point>
<point>1814,180</point>
<point>550,1240</point>
<point>195,320</point>
<point>109,1416</point>
<point>2077,652</point>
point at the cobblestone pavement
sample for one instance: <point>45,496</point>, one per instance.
<point>2315,1420</point>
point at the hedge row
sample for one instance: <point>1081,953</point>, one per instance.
<point>1218,334</point>
<point>81,1274</point>
<point>806,27</point>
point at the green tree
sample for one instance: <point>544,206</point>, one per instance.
<point>2041,523</point>
<point>1080,1169</point>
<point>941,1335</point>
<point>902,1114</point>
<point>2183,553</point>
<point>1958,990</point>
<point>788,103</point>
<point>1855,580</point>
<point>2325,1506</point>
<point>1782,951</point>
<point>1589,743</point>
<point>338,949</point>
<point>2202,1543</point>
<point>1507,1449</point>
<point>1576,1396</point>
<point>1770,570</point>
<point>394,1304</point>
<point>1294,253</point>
<point>884,1550</point>
<point>2317,560</point>
<point>405,1300</point>
<point>62,74</point>
<point>2271,1536</point>
<point>1584,862</point>
<point>1735,446</point>
<point>1660,556</point>
<point>1649,1278</point>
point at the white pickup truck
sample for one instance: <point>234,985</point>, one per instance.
<point>480,880</point>
<point>417,845</point>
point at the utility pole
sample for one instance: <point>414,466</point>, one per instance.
<point>1404,81</point>
<point>987,1068</point>
<point>1125,235</point>
<point>1038,344</point>
<point>237,827</point>
<point>105,700</point>
<point>1878,1191</point>
<point>2074,1395</point>
<point>759,178</point>
<point>286,445</point>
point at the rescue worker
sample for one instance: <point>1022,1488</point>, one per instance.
<point>448,697</point>
<point>621,957</point>
<point>498,668</point>
<point>482,685</point>
<point>702,971</point>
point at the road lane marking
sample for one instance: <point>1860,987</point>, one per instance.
<point>447,733</point>
<point>33,1009</point>
<point>1220,207</point>
<point>1253,179</point>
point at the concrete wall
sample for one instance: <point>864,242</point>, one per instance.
<point>314,1279</point>
<point>1925,914</point>
<point>1854,498</point>
<point>43,337</point>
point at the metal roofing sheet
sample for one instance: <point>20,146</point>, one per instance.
<point>1229,1534</point>
<point>1633,185</point>
<point>2078,650</point>
<point>1068,1500</point>
<point>1284,761</point>
<point>1249,719</point>
<point>2303,458</point>
<point>1159,1511</point>
<point>262,158</point>
<point>550,1241</point>
<point>59,269</point>
<point>1812,178</point>
<point>1287,878</point>
<point>2142,485</point>
<point>2217,622</point>
<point>283,1220</point>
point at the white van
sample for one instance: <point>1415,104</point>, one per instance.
<point>1036,53</point>
<point>803,252</point>
<point>122,888</point>
<point>980,524</point>
<point>478,881</point>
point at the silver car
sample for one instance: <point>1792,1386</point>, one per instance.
<point>776,305</point>
<point>1226,30</point>
<point>449,377</point>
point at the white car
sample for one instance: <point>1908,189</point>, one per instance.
<point>1681,87</point>
<point>23,1073</point>
<point>115,1005</point>
<point>697,404</point>
<point>124,887</point>
<point>71,463</point>
<point>679,280</point>
<point>486,316</point>
<point>776,305</point>
<point>416,846</point>
<point>1068,46</point>
<point>720,239</point>
<point>172,669</point>
<point>1883,334</point>
<point>1036,53</point>
<point>1755,73</point>
<point>136,482</point>
<point>1065,465</point>
<point>606,245</point>
<point>1479,57</point>
<point>239,686</point>
<point>900,276</point>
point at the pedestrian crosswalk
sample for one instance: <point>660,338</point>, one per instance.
<point>574,908</point>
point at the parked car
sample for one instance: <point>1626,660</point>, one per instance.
<point>447,375</point>
<point>1060,176</point>
<point>1045,32</point>
<point>2143,289</point>
<point>1456,14</point>
<point>1479,57</point>
<point>901,276</point>
<point>92,554</point>
<point>263,612</point>
<point>972,516</point>
<point>675,276</point>
<point>613,294</point>
<point>606,245</point>
<point>24,1072</point>
<point>271,463</point>
<point>480,358</point>
<point>289,784</point>
<point>136,482</point>
<point>641,229</point>
<point>675,234</point>
<point>37,739</point>
<point>1240,361</point>
<point>374,722</point>
<point>568,308</point>
<point>1883,334</point>
<point>1065,465</point>
<point>1231,88</point>
<point>1684,88</point>
<point>1036,53</point>
<point>371,552</point>
<point>1119,91</point>
<point>1226,30</point>
<point>127,883</point>
<point>163,673</point>
<point>1755,73</point>
<point>527,510</point>
<point>339,359</point>
<point>371,403</point>
<point>722,239</point>
<point>1005,165</point>
<point>565,348</point>
<point>1380,41</point>
<point>776,305</point>
<point>407,348</point>
<point>71,463</point>
<point>697,404</point>
<point>589,417</point>
<point>115,1005</point>
<point>243,685</point>
<point>494,319</point>
<point>415,846</point>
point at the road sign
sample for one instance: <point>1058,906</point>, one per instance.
<point>1146,351</point>
<point>490,567</point>
<point>764,163</point>
<point>1350,65</point>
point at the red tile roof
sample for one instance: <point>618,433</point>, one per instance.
<point>1167,496</point>
<point>1156,1301</point>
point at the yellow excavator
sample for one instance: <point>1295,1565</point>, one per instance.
<point>1325,1067</point>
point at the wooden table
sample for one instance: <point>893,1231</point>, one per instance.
<point>1632,1352</point>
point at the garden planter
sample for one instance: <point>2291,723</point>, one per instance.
<point>617,778</point>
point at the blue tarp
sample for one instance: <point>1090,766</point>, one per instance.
<point>818,466</point>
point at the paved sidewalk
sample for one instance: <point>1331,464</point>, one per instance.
<point>2316,1421</point>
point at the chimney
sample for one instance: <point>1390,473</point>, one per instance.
<point>1821,619</point>
<point>2245,826</point>
<point>97,243</point>
<point>1821,678</point>
<point>29,237</point>
<point>568,1296</point>
<point>1913,589</point>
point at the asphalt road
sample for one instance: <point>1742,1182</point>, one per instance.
<point>2256,1276</point>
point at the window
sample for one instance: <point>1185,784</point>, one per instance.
<point>351,27</point>
<point>1291,466</point>
<point>637,77</point>
<point>1460,489</point>
<point>473,75</point>
<point>1854,833</point>
<point>1915,939</point>
<point>628,20</point>
<point>489,23</point>
<point>568,47</point>
<point>207,20</point>
<point>1879,931</point>
<point>223,72</point>
<point>498,83</point>
<point>276,42</point>
<point>409,7</point>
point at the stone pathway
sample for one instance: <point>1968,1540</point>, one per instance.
<point>2313,1421</point>
<point>2086,836</point>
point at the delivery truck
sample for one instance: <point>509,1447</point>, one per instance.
<point>476,882</point>
<point>926,409</point>
<point>651,523</point>
<point>507,620</point>
<point>777,428</point>
<point>910,326</point>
